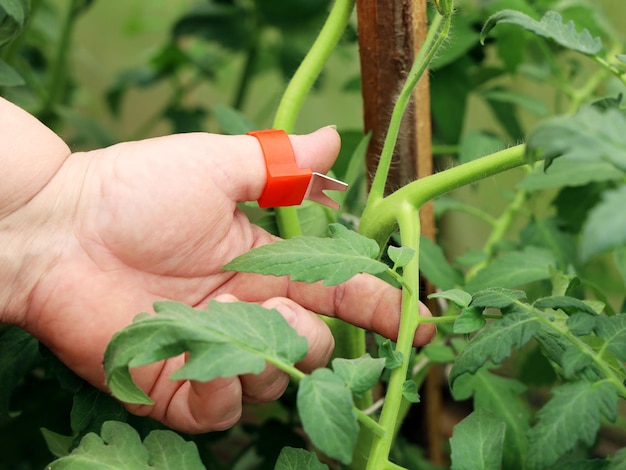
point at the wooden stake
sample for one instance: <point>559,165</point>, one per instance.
<point>390,34</point>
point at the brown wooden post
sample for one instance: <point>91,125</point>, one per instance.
<point>390,34</point>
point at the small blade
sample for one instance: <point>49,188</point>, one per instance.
<point>320,183</point>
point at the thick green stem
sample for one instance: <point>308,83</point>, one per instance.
<point>379,219</point>
<point>299,87</point>
<point>409,222</point>
<point>433,41</point>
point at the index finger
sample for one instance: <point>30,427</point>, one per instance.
<point>364,301</point>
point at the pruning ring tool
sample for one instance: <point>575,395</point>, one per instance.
<point>287,184</point>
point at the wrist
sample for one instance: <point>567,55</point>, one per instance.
<point>30,156</point>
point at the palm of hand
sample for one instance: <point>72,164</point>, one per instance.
<point>157,219</point>
<point>148,221</point>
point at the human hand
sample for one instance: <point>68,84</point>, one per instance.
<point>137,222</point>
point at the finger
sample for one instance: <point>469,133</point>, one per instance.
<point>364,301</point>
<point>267,386</point>
<point>188,406</point>
<point>207,406</point>
<point>241,173</point>
<point>310,326</point>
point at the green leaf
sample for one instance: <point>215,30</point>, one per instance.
<point>400,255</point>
<point>554,345</point>
<point>495,297</point>
<point>435,267</point>
<point>393,358</point>
<point>298,459</point>
<point>605,227</point>
<point>514,269</point>
<point>551,234</point>
<point>452,89</point>
<point>477,442</point>
<point>310,259</point>
<point>58,444</point>
<point>16,9</point>
<point>457,296</point>
<point>571,172</point>
<point>574,203</point>
<point>613,331</point>
<point>495,342</point>
<point>232,121</point>
<point>8,76</point>
<point>589,135</point>
<point>618,461</point>
<point>326,409</point>
<point>507,117</point>
<point>570,305</point>
<point>92,408</point>
<point>572,415</point>
<point>550,26</point>
<point>574,361</point>
<point>409,391</point>
<point>226,340</point>
<point>520,100</point>
<point>359,374</point>
<point>470,320</point>
<point>582,324</point>
<point>19,353</point>
<point>502,397</point>
<point>119,446</point>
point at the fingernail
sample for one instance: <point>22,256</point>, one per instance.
<point>331,126</point>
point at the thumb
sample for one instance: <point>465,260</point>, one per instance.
<point>244,172</point>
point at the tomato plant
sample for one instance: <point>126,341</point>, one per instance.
<point>532,328</point>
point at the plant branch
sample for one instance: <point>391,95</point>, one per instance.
<point>435,38</point>
<point>299,87</point>
<point>500,228</point>
<point>379,219</point>
<point>583,347</point>
<point>409,221</point>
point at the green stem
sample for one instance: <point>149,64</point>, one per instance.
<point>246,75</point>
<point>59,68</point>
<point>409,222</point>
<point>620,74</point>
<point>501,227</point>
<point>379,219</point>
<point>299,87</point>
<point>433,41</point>
<point>312,65</point>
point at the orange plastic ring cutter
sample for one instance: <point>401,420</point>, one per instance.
<point>288,185</point>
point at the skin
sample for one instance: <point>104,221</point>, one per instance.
<point>90,239</point>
